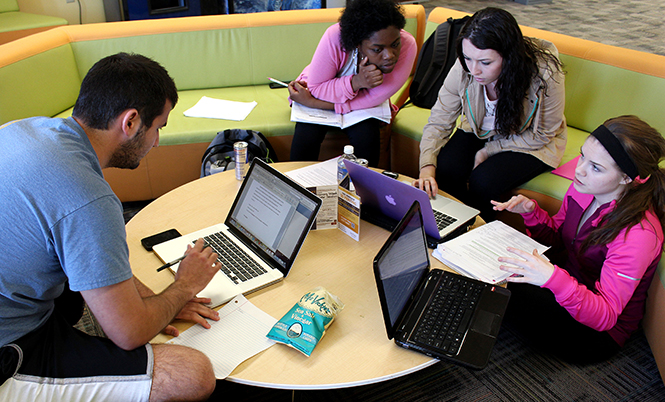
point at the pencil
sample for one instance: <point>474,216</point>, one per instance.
<point>279,82</point>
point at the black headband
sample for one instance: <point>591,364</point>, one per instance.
<point>616,150</point>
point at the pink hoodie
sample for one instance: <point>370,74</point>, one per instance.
<point>606,287</point>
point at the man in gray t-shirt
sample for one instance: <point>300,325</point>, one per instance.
<point>63,237</point>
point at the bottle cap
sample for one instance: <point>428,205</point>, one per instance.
<point>348,149</point>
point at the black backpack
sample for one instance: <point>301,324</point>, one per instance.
<point>435,60</point>
<point>219,156</point>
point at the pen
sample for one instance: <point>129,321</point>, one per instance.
<point>170,264</point>
<point>177,260</point>
<point>278,82</point>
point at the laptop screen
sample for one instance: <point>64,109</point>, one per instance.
<point>273,213</point>
<point>400,265</point>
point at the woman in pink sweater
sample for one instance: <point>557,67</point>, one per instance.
<point>607,240</point>
<point>359,63</point>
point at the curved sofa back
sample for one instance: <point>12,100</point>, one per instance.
<point>41,74</point>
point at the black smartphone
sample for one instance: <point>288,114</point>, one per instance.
<point>390,174</point>
<point>150,241</point>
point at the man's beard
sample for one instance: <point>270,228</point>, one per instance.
<point>129,154</point>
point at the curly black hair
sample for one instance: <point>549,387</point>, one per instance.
<point>361,18</point>
<point>497,29</point>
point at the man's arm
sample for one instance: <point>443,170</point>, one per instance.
<point>130,320</point>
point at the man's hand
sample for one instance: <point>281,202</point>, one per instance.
<point>195,310</point>
<point>427,181</point>
<point>198,267</point>
<point>369,76</point>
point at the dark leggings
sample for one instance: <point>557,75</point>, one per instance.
<point>491,180</point>
<point>535,313</point>
<point>364,136</point>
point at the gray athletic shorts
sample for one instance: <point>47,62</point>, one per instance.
<point>57,362</point>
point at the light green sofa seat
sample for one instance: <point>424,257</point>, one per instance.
<point>16,20</point>
<point>15,24</point>
<point>270,116</point>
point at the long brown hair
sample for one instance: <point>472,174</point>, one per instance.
<point>497,29</point>
<point>646,147</point>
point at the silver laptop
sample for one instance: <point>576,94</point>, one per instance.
<point>260,238</point>
<point>386,200</point>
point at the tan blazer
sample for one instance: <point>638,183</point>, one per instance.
<point>543,133</point>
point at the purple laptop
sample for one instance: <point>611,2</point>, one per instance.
<point>384,197</point>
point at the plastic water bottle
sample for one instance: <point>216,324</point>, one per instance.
<point>341,168</point>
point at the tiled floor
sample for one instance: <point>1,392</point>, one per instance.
<point>632,24</point>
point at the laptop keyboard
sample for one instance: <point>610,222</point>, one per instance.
<point>445,322</point>
<point>443,220</point>
<point>236,264</point>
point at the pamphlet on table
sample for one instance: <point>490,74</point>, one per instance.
<point>476,252</point>
<point>340,208</point>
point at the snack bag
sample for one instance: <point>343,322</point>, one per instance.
<point>306,323</point>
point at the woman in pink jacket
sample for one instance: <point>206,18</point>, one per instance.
<point>359,63</point>
<point>607,240</point>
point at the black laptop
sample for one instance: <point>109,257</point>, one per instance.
<point>439,313</point>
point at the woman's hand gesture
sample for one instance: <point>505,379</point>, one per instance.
<point>518,204</point>
<point>529,268</point>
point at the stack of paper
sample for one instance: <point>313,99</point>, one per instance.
<point>475,253</point>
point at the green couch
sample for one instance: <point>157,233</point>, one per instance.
<point>602,81</point>
<point>16,24</point>
<point>225,57</point>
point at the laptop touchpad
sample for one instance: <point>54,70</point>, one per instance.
<point>486,323</point>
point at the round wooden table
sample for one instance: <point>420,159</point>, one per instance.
<point>354,351</point>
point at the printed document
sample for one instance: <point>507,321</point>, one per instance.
<point>212,108</point>
<point>304,114</point>
<point>476,252</point>
<point>239,334</point>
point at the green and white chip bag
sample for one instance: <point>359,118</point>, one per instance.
<point>306,323</point>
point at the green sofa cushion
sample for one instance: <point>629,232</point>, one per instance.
<point>15,21</point>
<point>234,57</point>
<point>8,5</point>
<point>590,100</point>
<point>271,116</point>
<point>44,94</point>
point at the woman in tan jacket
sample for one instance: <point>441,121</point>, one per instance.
<point>509,91</point>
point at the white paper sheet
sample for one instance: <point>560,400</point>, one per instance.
<point>318,174</point>
<point>476,252</point>
<point>212,108</point>
<point>239,334</point>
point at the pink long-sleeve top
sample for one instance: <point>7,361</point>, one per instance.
<point>604,288</point>
<point>329,58</point>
